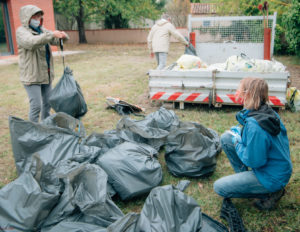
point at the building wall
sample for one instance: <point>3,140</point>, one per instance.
<point>117,36</point>
<point>14,7</point>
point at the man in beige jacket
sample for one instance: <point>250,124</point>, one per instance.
<point>159,39</point>
<point>35,59</point>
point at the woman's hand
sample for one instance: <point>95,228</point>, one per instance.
<point>60,34</point>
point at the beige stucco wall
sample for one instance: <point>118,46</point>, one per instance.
<point>117,36</point>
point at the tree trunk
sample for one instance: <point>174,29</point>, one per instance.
<point>80,24</point>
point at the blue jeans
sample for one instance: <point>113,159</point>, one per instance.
<point>161,58</point>
<point>244,183</point>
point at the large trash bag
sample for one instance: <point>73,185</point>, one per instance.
<point>52,143</point>
<point>211,225</point>
<point>75,227</point>
<point>168,209</point>
<point>45,176</point>
<point>152,130</point>
<point>67,97</point>
<point>106,141</point>
<point>66,121</point>
<point>190,50</point>
<point>23,205</point>
<point>132,169</point>
<point>85,197</point>
<point>125,224</point>
<point>191,150</point>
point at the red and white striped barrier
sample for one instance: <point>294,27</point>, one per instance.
<point>201,97</point>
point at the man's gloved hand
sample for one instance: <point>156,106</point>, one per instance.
<point>236,134</point>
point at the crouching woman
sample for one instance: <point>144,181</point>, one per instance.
<point>258,150</point>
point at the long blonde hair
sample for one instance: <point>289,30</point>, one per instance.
<point>254,92</point>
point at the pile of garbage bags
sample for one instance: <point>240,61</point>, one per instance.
<point>66,179</point>
<point>236,63</point>
<point>242,63</point>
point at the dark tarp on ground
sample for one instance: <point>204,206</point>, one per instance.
<point>67,97</point>
<point>132,169</point>
<point>191,150</point>
<point>152,130</point>
<point>52,143</point>
<point>85,197</point>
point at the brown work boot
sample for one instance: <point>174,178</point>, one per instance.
<point>269,202</point>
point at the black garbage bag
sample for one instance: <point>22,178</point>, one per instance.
<point>85,197</point>
<point>191,150</point>
<point>67,97</point>
<point>66,121</point>
<point>45,176</point>
<point>52,143</point>
<point>211,225</point>
<point>190,50</point>
<point>106,141</point>
<point>23,205</point>
<point>132,169</point>
<point>152,130</point>
<point>168,209</point>
<point>125,224</point>
<point>74,227</point>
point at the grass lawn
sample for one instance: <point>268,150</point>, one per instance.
<point>120,71</point>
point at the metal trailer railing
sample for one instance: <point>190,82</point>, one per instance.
<point>217,38</point>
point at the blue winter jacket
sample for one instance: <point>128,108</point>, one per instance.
<point>265,147</point>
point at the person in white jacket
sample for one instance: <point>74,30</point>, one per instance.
<point>159,39</point>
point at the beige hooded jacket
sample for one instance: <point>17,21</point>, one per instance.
<point>159,36</point>
<point>32,52</point>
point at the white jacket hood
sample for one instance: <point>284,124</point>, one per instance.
<point>161,22</point>
<point>27,12</point>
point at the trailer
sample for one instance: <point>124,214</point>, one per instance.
<point>217,87</point>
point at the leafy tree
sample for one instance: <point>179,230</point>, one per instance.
<point>120,11</point>
<point>178,10</point>
<point>118,19</point>
<point>291,21</point>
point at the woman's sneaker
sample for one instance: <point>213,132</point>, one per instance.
<point>269,202</point>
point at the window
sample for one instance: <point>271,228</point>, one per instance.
<point>6,45</point>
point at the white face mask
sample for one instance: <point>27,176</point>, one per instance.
<point>34,23</point>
